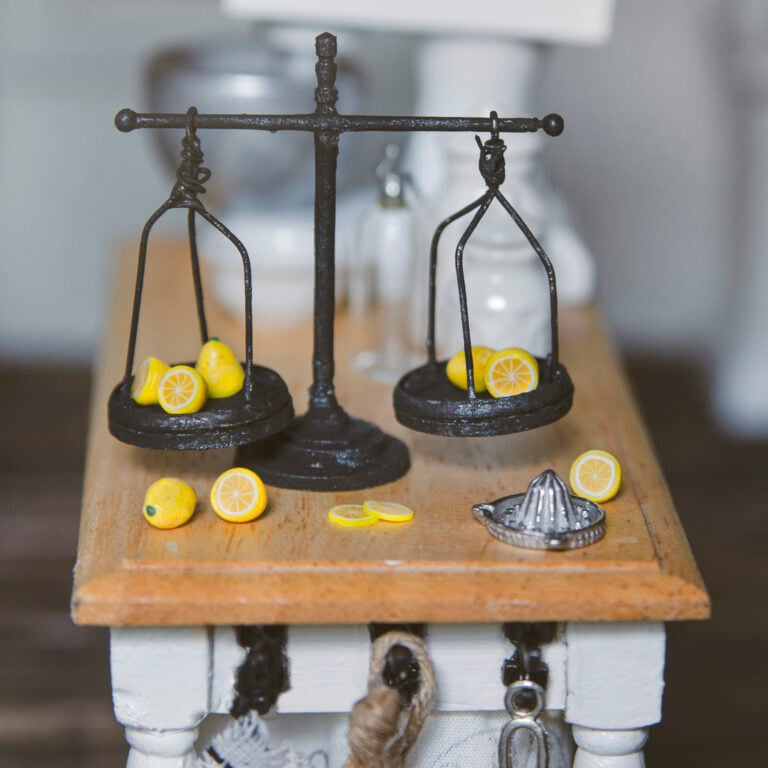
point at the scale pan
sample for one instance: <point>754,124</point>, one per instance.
<point>426,401</point>
<point>221,423</point>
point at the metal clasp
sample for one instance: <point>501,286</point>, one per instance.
<point>524,701</point>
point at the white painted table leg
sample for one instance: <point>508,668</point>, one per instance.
<point>161,691</point>
<point>161,749</point>
<point>615,677</point>
<point>609,749</point>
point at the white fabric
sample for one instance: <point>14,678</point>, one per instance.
<point>459,740</point>
<point>244,743</point>
<point>448,740</point>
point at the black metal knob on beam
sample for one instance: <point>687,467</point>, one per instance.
<point>326,93</point>
<point>553,124</point>
<point>125,120</point>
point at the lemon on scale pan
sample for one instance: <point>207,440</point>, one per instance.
<point>146,382</point>
<point>220,369</point>
<point>182,390</point>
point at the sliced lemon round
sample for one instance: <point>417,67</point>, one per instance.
<point>238,495</point>
<point>169,503</point>
<point>351,516</point>
<point>146,382</point>
<point>181,390</point>
<point>595,475</point>
<point>390,511</point>
<point>511,372</point>
<point>456,369</point>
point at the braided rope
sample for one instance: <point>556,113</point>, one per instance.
<point>381,730</point>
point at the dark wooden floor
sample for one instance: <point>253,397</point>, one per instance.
<point>54,686</point>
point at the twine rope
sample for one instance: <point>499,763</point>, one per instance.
<point>381,730</point>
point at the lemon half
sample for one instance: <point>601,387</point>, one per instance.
<point>238,495</point>
<point>511,372</point>
<point>146,382</point>
<point>456,369</point>
<point>595,475</point>
<point>181,390</point>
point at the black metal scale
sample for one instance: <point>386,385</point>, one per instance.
<point>325,448</point>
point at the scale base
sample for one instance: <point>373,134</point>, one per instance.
<point>327,451</point>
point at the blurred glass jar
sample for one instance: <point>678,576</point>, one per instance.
<point>381,274</point>
<point>507,288</point>
<point>262,183</point>
<point>270,71</point>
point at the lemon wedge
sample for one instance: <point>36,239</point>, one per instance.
<point>169,503</point>
<point>181,390</point>
<point>146,382</point>
<point>595,475</point>
<point>511,372</point>
<point>220,369</point>
<point>238,495</point>
<point>456,369</point>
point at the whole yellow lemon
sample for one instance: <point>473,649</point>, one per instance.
<point>169,503</point>
<point>220,369</point>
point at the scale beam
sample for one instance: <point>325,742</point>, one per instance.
<point>127,120</point>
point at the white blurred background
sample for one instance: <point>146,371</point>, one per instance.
<point>652,161</point>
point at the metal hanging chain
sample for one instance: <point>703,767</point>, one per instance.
<point>492,169</point>
<point>191,176</point>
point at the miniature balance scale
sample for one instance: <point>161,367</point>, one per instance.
<point>326,449</point>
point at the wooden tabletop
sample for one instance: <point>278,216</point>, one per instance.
<point>293,566</point>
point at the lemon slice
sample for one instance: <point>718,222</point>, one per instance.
<point>511,372</point>
<point>181,390</point>
<point>169,503</point>
<point>390,511</point>
<point>238,495</point>
<point>351,516</point>
<point>147,380</point>
<point>456,369</point>
<point>595,475</point>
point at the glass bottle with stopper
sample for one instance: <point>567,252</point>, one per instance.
<point>381,274</point>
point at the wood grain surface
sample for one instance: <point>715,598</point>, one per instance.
<point>293,566</point>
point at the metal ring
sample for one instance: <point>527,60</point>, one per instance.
<point>494,125</point>
<point>517,699</point>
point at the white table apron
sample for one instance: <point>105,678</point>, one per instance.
<point>607,678</point>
